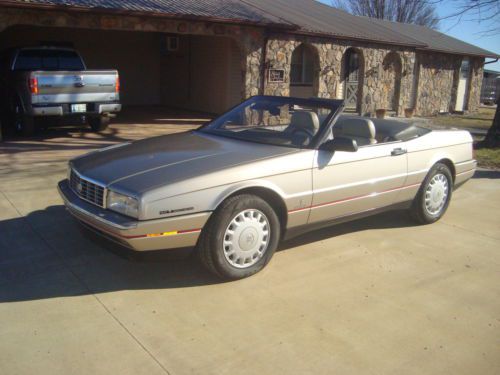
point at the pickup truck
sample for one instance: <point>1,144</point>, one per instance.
<point>53,82</point>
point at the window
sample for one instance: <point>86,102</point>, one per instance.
<point>464,69</point>
<point>34,59</point>
<point>302,67</point>
<point>280,121</point>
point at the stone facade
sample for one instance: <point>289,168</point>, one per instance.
<point>427,83</point>
<point>329,75</point>
<point>438,74</point>
<point>438,82</point>
<point>476,80</point>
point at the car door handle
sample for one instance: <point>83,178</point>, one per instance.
<point>398,151</point>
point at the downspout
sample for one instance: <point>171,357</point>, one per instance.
<point>264,64</point>
<point>491,62</point>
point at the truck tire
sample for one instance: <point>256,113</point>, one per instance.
<point>99,124</point>
<point>240,237</point>
<point>21,122</point>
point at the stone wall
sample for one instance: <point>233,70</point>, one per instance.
<point>437,83</point>
<point>328,79</point>
<point>476,80</point>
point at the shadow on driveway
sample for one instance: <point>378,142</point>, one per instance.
<point>487,173</point>
<point>48,254</point>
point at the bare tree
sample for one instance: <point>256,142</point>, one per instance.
<point>486,12</point>
<point>420,12</point>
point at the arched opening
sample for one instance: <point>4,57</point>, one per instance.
<point>390,82</point>
<point>304,72</point>
<point>352,79</point>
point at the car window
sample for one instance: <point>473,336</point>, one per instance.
<point>280,121</point>
<point>48,60</point>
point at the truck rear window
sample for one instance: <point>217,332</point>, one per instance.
<point>48,60</point>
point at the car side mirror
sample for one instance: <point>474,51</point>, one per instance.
<point>340,144</point>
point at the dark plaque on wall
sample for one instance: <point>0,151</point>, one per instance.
<point>276,75</point>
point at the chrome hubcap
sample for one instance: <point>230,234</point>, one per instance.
<point>246,238</point>
<point>436,194</point>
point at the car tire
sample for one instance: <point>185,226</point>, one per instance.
<point>434,195</point>
<point>99,124</point>
<point>240,237</point>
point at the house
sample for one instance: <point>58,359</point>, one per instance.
<point>208,55</point>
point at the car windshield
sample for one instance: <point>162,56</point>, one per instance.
<point>33,59</point>
<point>281,121</point>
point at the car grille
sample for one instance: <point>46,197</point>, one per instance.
<point>87,190</point>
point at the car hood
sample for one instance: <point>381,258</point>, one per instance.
<point>147,164</point>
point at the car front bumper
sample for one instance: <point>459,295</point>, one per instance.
<point>160,234</point>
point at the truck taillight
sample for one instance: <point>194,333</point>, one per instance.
<point>117,85</point>
<point>34,85</point>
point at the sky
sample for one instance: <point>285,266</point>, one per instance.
<point>469,31</point>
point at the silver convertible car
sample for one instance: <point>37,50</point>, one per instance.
<point>270,168</point>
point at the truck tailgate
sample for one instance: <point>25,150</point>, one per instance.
<point>75,87</point>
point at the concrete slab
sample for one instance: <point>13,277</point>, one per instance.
<point>376,296</point>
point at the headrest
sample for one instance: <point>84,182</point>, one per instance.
<point>358,127</point>
<point>305,119</point>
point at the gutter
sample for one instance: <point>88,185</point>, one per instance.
<point>491,62</point>
<point>459,53</point>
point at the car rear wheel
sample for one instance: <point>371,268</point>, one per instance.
<point>240,237</point>
<point>434,195</point>
<point>99,124</point>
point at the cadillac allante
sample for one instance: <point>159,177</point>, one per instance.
<point>268,169</point>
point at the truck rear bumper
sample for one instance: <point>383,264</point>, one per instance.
<point>93,109</point>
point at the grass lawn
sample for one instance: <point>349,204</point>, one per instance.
<point>481,119</point>
<point>488,157</point>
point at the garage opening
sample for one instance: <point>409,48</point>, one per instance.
<point>196,73</point>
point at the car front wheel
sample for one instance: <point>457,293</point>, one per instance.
<point>240,237</point>
<point>434,195</point>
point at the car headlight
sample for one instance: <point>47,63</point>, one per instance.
<point>123,204</point>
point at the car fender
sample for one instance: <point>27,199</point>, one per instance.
<point>205,200</point>
<point>244,185</point>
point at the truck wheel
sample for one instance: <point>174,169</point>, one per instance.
<point>99,124</point>
<point>434,195</point>
<point>240,238</point>
<point>20,122</point>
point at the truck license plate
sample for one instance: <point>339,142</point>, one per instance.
<point>78,108</point>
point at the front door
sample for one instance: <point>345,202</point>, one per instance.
<point>351,79</point>
<point>348,183</point>
<point>463,84</point>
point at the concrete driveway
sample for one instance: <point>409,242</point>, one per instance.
<point>377,296</point>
